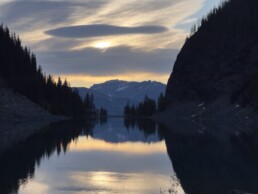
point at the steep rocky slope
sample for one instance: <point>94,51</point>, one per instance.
<point>19,117</point>
<point>218,65</point>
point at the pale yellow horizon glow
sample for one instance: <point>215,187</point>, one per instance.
<point>89,80</point>
<point>90,144</point>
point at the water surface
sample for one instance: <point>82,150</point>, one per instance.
<point>135,157</point>
<point>89,157</point>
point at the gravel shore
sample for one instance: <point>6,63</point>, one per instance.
<point>219,118</point>
<point>20,118</point>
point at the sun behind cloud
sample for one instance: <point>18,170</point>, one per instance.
<point>102,45</point>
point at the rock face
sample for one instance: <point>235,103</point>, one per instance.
<point>220,61</point>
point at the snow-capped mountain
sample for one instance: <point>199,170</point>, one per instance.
<point>114,94</point>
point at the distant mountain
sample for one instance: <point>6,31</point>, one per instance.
<point>114,94</point>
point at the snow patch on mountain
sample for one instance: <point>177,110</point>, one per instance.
<point>114,94</point>
<point>122,88</point>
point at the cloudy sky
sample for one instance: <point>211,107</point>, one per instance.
<point>91,41</point>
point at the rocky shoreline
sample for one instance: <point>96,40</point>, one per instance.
<point>20,118</point>
<point>219,118</point>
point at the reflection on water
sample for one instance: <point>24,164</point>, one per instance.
<point>85,157</point>
<point>130,156</point>
<point>140,148</point>
<point>221,159</point>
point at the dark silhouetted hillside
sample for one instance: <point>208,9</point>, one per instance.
<point>19,70</point>
<point>219,61</point>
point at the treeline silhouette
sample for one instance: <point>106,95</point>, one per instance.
<point>19,70</point>
<point>147,126</point>
<point>206,19</point>
<point>226,13</point>
<point>146,108</point>
<point>90,108</point>
<point>224,10</point>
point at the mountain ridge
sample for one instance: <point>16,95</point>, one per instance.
<point>114,94</point>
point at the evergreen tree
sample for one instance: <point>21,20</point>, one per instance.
<point>161,102</point>
<point>89,105</point>
<point>19,69</point>
<point>144,109</point>
<point>127,110</point>
<point>103,113</point>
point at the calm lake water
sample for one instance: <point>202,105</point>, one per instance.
<point>132,157</point>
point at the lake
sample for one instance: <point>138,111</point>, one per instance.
<point>129,156</point>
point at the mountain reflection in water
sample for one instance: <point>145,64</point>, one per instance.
<point>131,156</point>
<point>89,157</point>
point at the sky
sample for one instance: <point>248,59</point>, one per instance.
<point>92,41</point>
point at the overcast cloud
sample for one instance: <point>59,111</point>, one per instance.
<point>103,38</point>
<point>116,60</point>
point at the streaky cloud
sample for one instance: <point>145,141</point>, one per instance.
<point>97,30</point>
<point>115,61</point>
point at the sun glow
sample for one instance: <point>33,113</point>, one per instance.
<point>102,45</point>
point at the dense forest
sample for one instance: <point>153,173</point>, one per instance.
<point>146,108</point>
<point>19,70</point>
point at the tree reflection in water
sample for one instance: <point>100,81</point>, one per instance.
<point>204,162</point>
<point>208,162</point>
<point>18,164</point>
